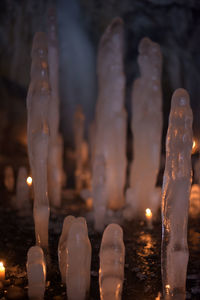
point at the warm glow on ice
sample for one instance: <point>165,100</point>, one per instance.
<point>29,180</point>
<point>194,144</point>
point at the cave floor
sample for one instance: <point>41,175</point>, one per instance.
<point>142,263</point>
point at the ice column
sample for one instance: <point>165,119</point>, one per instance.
<point>9,179</point>
<point>112,256</point>
<point>146,127</point>
<point>55,160</point>
<point>78,261</point>
<point>36,271</point>
<point>98,192</point>
<point>62,246</point>
<point>38,135</point>
<point>110,131</point>
<point>175,197</point>
<point>22,192</point>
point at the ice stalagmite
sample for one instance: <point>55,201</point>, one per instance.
<point>36,272</point>
<point>38,135</point>
<point>53,74</point>
<point>112,256</point>
<point>55,163</point>
<point>146,127</point>
<point>98,192</point>
<point>175,197</point>
<point>62,247</point>
<point>78,261</point>
<point>110,131</point>
<point>22,192</point>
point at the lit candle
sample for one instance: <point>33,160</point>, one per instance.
<point>2,271</point>
<point>148,214</point>
<point>29,180</point>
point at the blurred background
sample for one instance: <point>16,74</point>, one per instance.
<point>174,24</point>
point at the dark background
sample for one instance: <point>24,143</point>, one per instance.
<point>175,25</point>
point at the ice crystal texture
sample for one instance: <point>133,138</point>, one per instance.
<point>36,272</point>
<point>78,261</point>
<point>112,256</point>
<point>175,196</point>
<point>146,127</point>
<point>38,135</point>
<point>110,128</point>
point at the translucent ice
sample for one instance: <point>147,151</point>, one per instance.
<point>39,173</point>
<point>110,128</point>
<point>38,97</point>
<point>55,161</point>
<point>112,255</point>
<point>98,192</point>
<point>78,261</point>
<point>22,192</point>
<point>55,171</point>
<point>38,135</point>
<point>36,272</point>
<point>146,127</point>
<point>175,196</point>
<point>62,247</point>
<point>9,179</point>
<point>53,74</point>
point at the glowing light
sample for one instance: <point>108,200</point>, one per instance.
<point>2,271</point>
<point>167,288</point>
<point>29,180</point>
<point>193,144</point>
<point>148,213</point>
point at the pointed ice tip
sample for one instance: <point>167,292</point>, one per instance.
<point>113,231</point>
<point>116,26</point>
<point>180,98</point>
<point>39,42</point>
<point>146,45</point>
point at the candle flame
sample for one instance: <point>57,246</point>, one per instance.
<point>193,144</point>
<point>148,212</point>
<point>29,180</point>
<point>1,264</point>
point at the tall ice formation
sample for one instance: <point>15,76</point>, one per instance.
<point>112,256</point>
<point>175,196</point>
<point>78,261</point>
<point>99,192</point>
<point>110,131</point>
<point>146,127</point>
<point>36,272</point>
<point>38,135</point>
<point>62,246</point>
<point>55,152</point>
